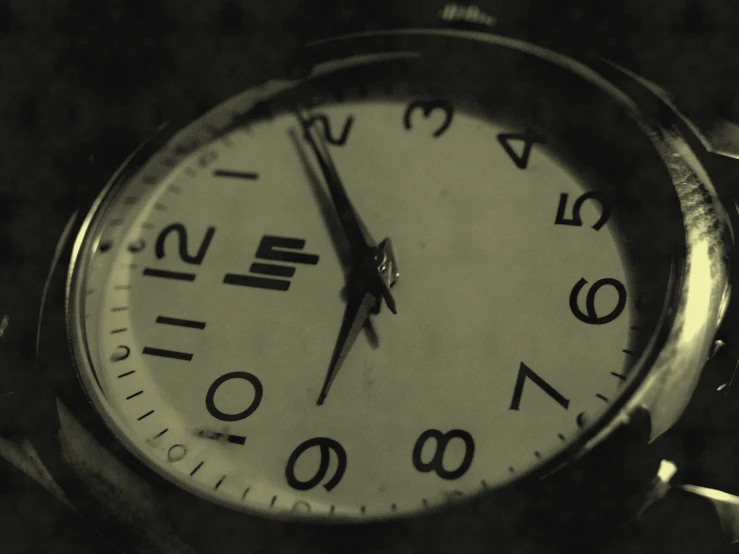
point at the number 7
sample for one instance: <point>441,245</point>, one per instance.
<point>525,371</point>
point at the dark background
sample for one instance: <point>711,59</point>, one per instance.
<point>82,83</point>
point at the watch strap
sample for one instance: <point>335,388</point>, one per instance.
<point>687,521</point>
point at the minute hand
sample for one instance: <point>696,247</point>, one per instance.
<point>356,233</point>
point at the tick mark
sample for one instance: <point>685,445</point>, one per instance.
<point>271,504</point>
<point>161,433</point>
<point>484,484</point>
<point>127,373</point>
<point>119,330</point>
<point>393,507</point>
<point>119,309</point>
<point>233,439</point>
<point>603,398</point>
<point>163,353</point>
<point>197,467</point>
<point>629,352</point>
<point>164,274</point>
<point>537,454</point>
<point>134,395</point>
<point>510,469</point>
<point>332,509</point>
<point>362,509</point>
<point>180,322</point>
<point>235,174</point>
<point>425,503</point>
<point>218,484</point>
<point>243,496</point>
<point>561,437</point>
<point>122,287</point>
<point>622,377</point>
<point>147,414</point>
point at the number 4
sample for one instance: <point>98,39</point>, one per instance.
<point>524,372</point>
<point>529,138</point>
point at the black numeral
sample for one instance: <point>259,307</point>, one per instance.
<point>427,107</point>
<point>210,396</point>
<point>436,463</point>
<point>576,221</point>
<point>529,138</point>
<point>181,232</point>
<point>525,372</point>
<point>326,445</point>
<point>323,120</point>
<point>590,316</point>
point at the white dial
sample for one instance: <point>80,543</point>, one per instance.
<point>213,298</point>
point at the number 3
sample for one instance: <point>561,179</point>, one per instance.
<point>428,106</point>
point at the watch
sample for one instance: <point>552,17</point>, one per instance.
<point>434,284</point>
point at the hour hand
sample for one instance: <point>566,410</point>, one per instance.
<point>369,282</point>
<point>360,303</point>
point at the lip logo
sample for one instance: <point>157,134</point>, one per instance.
<point>273,248</point>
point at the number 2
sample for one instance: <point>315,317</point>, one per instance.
<point>181,232</point>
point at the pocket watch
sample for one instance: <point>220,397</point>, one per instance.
<point>433,283</point>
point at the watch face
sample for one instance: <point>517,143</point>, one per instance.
<point>226,333</point>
